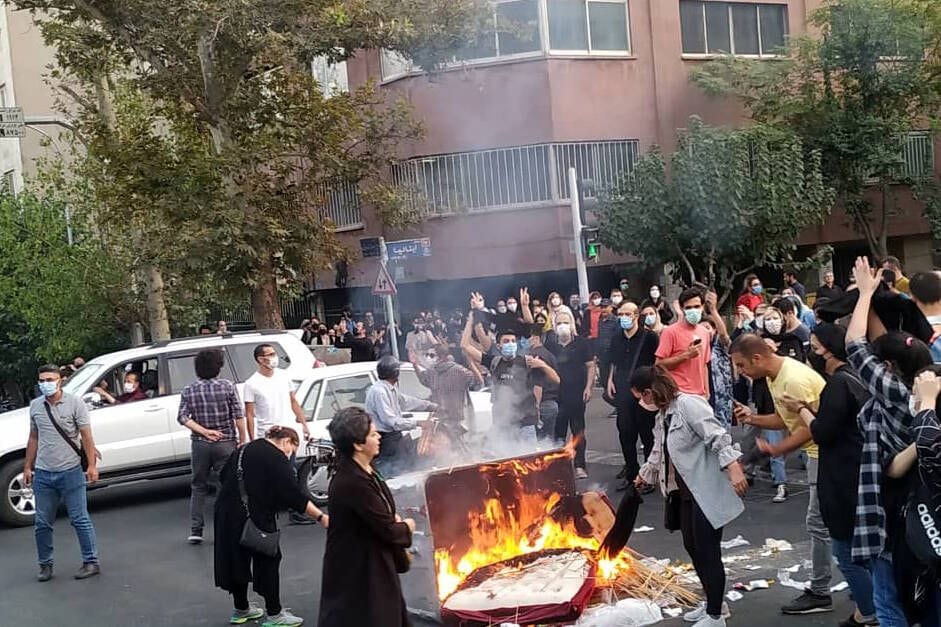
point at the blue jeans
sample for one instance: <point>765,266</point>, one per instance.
<point>885,595</point>
<point>778,468</point>
<point>857,575</point>
<point>51,488</point>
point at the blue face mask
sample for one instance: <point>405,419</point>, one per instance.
<point>627,323</point>
<point>48,388</point>
<point>508,350</point>
<point>756,290</point>
<point>693,316</point>
<point>650,320</point>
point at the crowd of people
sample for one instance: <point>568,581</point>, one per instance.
<point>850,386</point>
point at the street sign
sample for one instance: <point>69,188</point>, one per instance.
<point>12,115</point>
<point>406,248</point>
<point>12,130</point>
<point>384,285</point>
<point>370,247</point>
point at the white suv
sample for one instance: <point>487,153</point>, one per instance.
<point>141,439</point>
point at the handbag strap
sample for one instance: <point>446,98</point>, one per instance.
<point>243,494</point>
<point>60,430</point>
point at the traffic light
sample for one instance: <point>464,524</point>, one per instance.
<point>591,243</point>
<point>592,251</point>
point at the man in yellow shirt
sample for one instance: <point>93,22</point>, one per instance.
<point>901,281</point>
<point>793,385</point>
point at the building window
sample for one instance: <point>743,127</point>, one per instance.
<point>588,26</point>
<point>521,176</point>
<point>3,95</point>
<point>332,77</point>
<point>9,182</point>
<point>733,28</point>
<point>394,64</point>
<point>918,155</point>
<point>339,203</point>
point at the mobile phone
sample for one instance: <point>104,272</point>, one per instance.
<point>697,341</point>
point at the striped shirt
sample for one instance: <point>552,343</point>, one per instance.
<point>886,425</point>
<point>214,404</point>
<point>928,443</point>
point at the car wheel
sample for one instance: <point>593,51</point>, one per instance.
<point>18,506</point>
<point>315,479</point>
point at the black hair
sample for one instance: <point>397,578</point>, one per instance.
<point>208,363</point>
<point>503,332</point>
<point>689,294</point>
<point>49,368</point>
<point>349,426</point>
<point>261,349</point>
<point>832,337</point>
<point>790,272</point>
<point>137,375</point>
<point>905,352</point>
<point>926,287</point>
<point>785,305</point>
<point>892,261</point>
<point>749,344</point>
<point>280,432</point>
<point>205,327</point>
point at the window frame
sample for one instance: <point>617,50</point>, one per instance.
<point>321,402</point>
<point>728,5</point>
<point>116,390</point>
<point>166,386</point>
<point>589,52</point>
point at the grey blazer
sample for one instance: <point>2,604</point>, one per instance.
<point>700,448</point>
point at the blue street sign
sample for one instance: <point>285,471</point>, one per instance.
<point>406,248</point>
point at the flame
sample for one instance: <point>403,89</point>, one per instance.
<point>500,532</point>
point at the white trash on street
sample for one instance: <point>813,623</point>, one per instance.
<point>625,613</point>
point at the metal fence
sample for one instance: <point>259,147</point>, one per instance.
<point>341,204</point>
<point>918,155</point>
<point>509,177</point>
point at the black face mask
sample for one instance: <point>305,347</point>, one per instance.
<point>817,362</point>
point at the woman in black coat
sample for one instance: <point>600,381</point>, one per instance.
<point>366,541</point>
<point>271,487</point>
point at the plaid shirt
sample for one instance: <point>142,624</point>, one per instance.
<point>214,404</point>
<point>886,425</point>
<point>449,383</point>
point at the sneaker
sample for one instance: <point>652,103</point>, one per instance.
<point>243,616</point>
<point>195,538</point>
<point>781,495</point>
<point>88,570</point>
<point>866,622</point>
<point>709,621</point>
<point>45,572</point>
<point>283,619</point>
<point>809,603</point>
<point>700,612</point>
<point>581,473</point>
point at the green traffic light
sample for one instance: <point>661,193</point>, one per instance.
<point>592,250</point>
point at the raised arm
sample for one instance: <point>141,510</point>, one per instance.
<point>524,305</point>
<point>866,282</point>
<point>467,344</point>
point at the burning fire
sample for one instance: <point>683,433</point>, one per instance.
<point>521,526</point>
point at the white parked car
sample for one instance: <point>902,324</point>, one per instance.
<point>141,440</point>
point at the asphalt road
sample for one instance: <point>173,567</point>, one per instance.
<point>151,577</point>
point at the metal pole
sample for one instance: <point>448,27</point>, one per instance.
<point>580,267</point>
<point>390,314</point>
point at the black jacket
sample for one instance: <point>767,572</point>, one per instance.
<point>360,584</point>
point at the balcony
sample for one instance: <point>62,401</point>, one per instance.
<point>509,178</point>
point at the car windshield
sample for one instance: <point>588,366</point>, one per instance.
<point>79,381</point>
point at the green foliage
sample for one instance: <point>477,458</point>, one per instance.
<point>851,94</point>
<point>734,200</point>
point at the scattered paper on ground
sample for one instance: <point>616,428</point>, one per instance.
<point>777,545</point>
<point>752,567</point>
<point>625,613</point>
<point>734,542</point>
<point>643,529</point>
<point>673,612</point>
<point>734,595</point>
<point>840,587</point>
<point>785,579</point>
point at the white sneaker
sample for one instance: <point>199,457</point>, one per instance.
<point>781,495</point>
<point>284,619</point>
<point>581,473</point>
<point>709,621</point>
<point>700,612</point>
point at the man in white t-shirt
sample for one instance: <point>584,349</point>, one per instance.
<point>269,396</point>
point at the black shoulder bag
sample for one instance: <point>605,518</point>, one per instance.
<point>254,539</point>
<point>78,451</point>
<point>671,505</point>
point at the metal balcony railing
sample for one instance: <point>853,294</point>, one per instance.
<point>341,204</point>
<point>505,178</point>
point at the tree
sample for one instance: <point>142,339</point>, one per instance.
<point>853,94</point>
<point>735,200</point>
<point>240,74</point>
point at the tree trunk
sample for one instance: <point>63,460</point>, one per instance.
<point>157,317</point>
<point>266,308</point>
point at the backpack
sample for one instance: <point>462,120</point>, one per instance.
<point>923,524</point>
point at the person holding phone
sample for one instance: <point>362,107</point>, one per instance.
<point>684,348</point>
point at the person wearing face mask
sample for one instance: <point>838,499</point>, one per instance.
<point>578,310</point>
<point>593,316</point>
<point>420,339</point>
<point>556,307</point>
<point>632,348</point>
<point>263,471</point>
<point>836,432</point>
<point>449,383</point>
<point>617,297</point>
<point>751,295</point>
<point>685,349</point>
<point>132,391</point>
<point>775,330</point>
<point>696,466</point>
<point>576,368</point>
<point>659,304</point>
<point>608,329</point>
<point>545,390</point>
<point>269,396</point>
<point>651,319</point>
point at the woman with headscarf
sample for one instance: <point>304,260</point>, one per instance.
<point>264,469</point>
<point>656,300</point>
<point>367,542</point>
<point>554,307</point>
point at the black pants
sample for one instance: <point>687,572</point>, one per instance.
<point>633,421</point>
<point>702,542</point>
<point>572,416</point>
<point>267,583</point>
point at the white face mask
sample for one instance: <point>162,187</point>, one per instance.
<point>773,326</point>
<point>617,300</point>
<point>501,308</point>
<point>648,406</point>
<point>273,362</point>
<point>564,330</point>
<point>511,307</point>
<point>596,302</point>
<point>130,387</point>
<point>655,294</point>
<point>760,322</point>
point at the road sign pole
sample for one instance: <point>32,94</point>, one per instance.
<point>580,267</point>
<point>390,314</point>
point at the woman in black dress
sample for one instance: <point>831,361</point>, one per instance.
<point>271,487</point>
<point>367,541</point>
